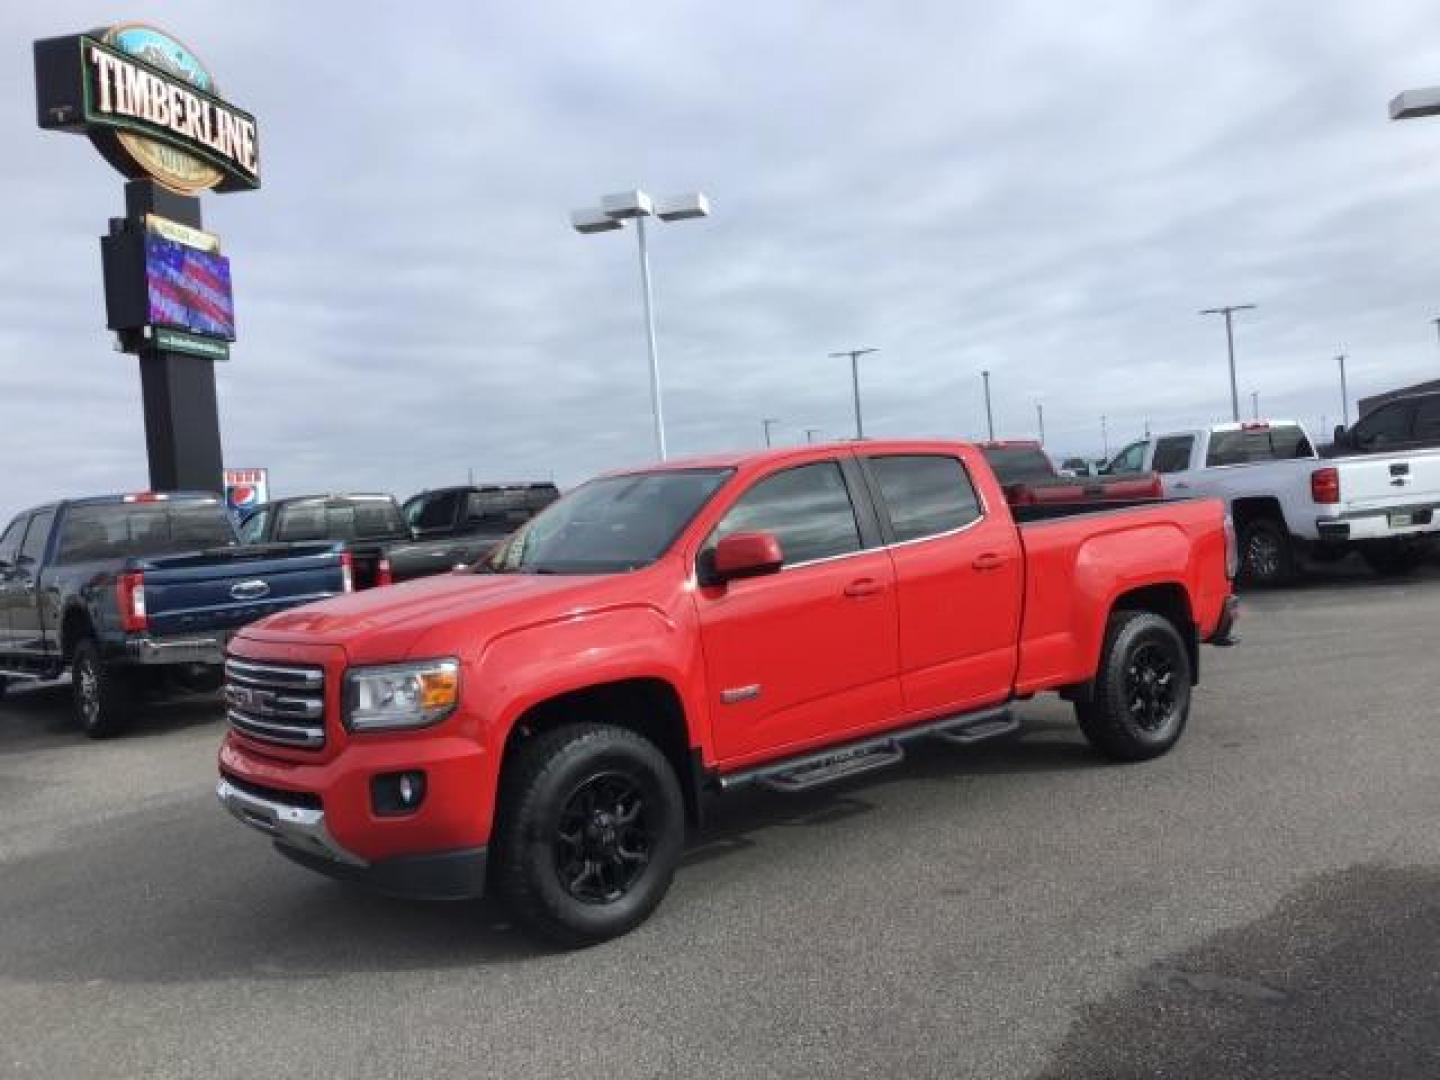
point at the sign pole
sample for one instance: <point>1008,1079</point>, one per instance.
<point>182,418</point>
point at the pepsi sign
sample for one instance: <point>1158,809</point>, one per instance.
<point>246,489</point>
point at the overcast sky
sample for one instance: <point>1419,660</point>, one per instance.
<point>1046,190</point>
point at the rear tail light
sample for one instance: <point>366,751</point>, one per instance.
<point>347,572</point>
<point>130,597</point>
<point>1325,485</point>
<point>383,573</point>
<point>146,497</point>
<point>1232,549</point>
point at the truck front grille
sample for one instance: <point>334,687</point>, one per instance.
<point>276,703</point>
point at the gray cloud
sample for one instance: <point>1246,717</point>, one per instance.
<point>1046,193</point>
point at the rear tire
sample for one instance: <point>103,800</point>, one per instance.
<point>591,825</point>
<point>1141,697</point>
<point>1266,558</point>
<point>103,693</point>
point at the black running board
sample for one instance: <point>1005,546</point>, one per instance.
<point>818,767</point>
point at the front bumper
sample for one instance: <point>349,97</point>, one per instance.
<point>300,834</point>
<point>198,650</point>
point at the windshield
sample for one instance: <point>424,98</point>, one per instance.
<point>118,530</point>
<point>610,525</point>
<point>1017,464</point>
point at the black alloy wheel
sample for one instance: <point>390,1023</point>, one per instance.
<point>604,839</point>
<point>1150,687</point>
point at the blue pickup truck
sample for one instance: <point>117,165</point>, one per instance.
<point>135,593</point>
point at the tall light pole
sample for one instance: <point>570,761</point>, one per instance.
<point>613,212</point>
<point>1255,404</point>
<point>811,432</point>
<point>1437,327</point>
<point>854,355</point>
<point>1344,392</point>
<point>1230,345</point>
<point>1104,437</point>
<point>989,416</point>
<point>1040,421</point>
<point>767,423</point>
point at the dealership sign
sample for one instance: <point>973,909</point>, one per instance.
<point>149,106</point>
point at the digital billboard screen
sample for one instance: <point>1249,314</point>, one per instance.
<point>189,289</point>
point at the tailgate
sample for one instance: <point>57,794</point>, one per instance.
<point>1389,481</point>
<point>226,588</point>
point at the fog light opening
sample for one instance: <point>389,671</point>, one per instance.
<point>392,794</point>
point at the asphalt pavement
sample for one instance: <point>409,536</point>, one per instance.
<point>1264,901</point>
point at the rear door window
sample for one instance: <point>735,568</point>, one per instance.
<point>925,494</point>
<point>1172,453</point>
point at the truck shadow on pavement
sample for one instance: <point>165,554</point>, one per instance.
<point>199,898</point>
<point>39,717</point>
<point>1338,980</point>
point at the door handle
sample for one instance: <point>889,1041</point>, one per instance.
<point>1180,485</point>
<point>988,561</point>
<point>864,586</point>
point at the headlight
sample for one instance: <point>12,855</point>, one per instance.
<point>401,695</point>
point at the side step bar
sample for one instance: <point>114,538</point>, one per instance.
<point>810,770</point>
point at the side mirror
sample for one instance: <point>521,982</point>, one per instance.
<point>745,555</point>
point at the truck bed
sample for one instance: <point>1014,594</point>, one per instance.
<point>1073,550</point>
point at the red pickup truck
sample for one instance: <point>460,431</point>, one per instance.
<point>1028,478</point>
<point>546,723</point>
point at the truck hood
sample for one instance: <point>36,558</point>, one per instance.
<point>454,612</point>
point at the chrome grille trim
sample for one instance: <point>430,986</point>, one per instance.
<point>278,676</point>
<point>276,703</point>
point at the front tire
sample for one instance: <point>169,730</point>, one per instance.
<point>102,694</point>
<point>591,825</point>
<point>1141,697</point>
<point>1265,555</point>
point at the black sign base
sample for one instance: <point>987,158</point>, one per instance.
<point>182,420</point>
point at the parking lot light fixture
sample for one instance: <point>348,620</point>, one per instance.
<point>1412,104</point>
<point>610,215</point>
<point>767,423</point>
<point>1230,346</point>
<point>854,355</point>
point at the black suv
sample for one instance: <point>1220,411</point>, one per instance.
<point>1411,422</point>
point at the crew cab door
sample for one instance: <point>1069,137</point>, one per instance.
<point>9,553</point>
<point>800,656</point>
<point>27,631</point>
<point>959,574</point>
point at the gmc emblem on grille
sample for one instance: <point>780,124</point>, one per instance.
<point>242,697</point>
<point>254,589</point>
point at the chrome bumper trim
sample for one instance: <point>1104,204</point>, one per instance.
<point>179,651</point>
<point>299,827</point>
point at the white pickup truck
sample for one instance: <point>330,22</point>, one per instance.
<point>1286,501</point>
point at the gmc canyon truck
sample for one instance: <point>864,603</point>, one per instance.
<point>1028,478</point>
<point>547,723</point>
<point>129,592</point>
